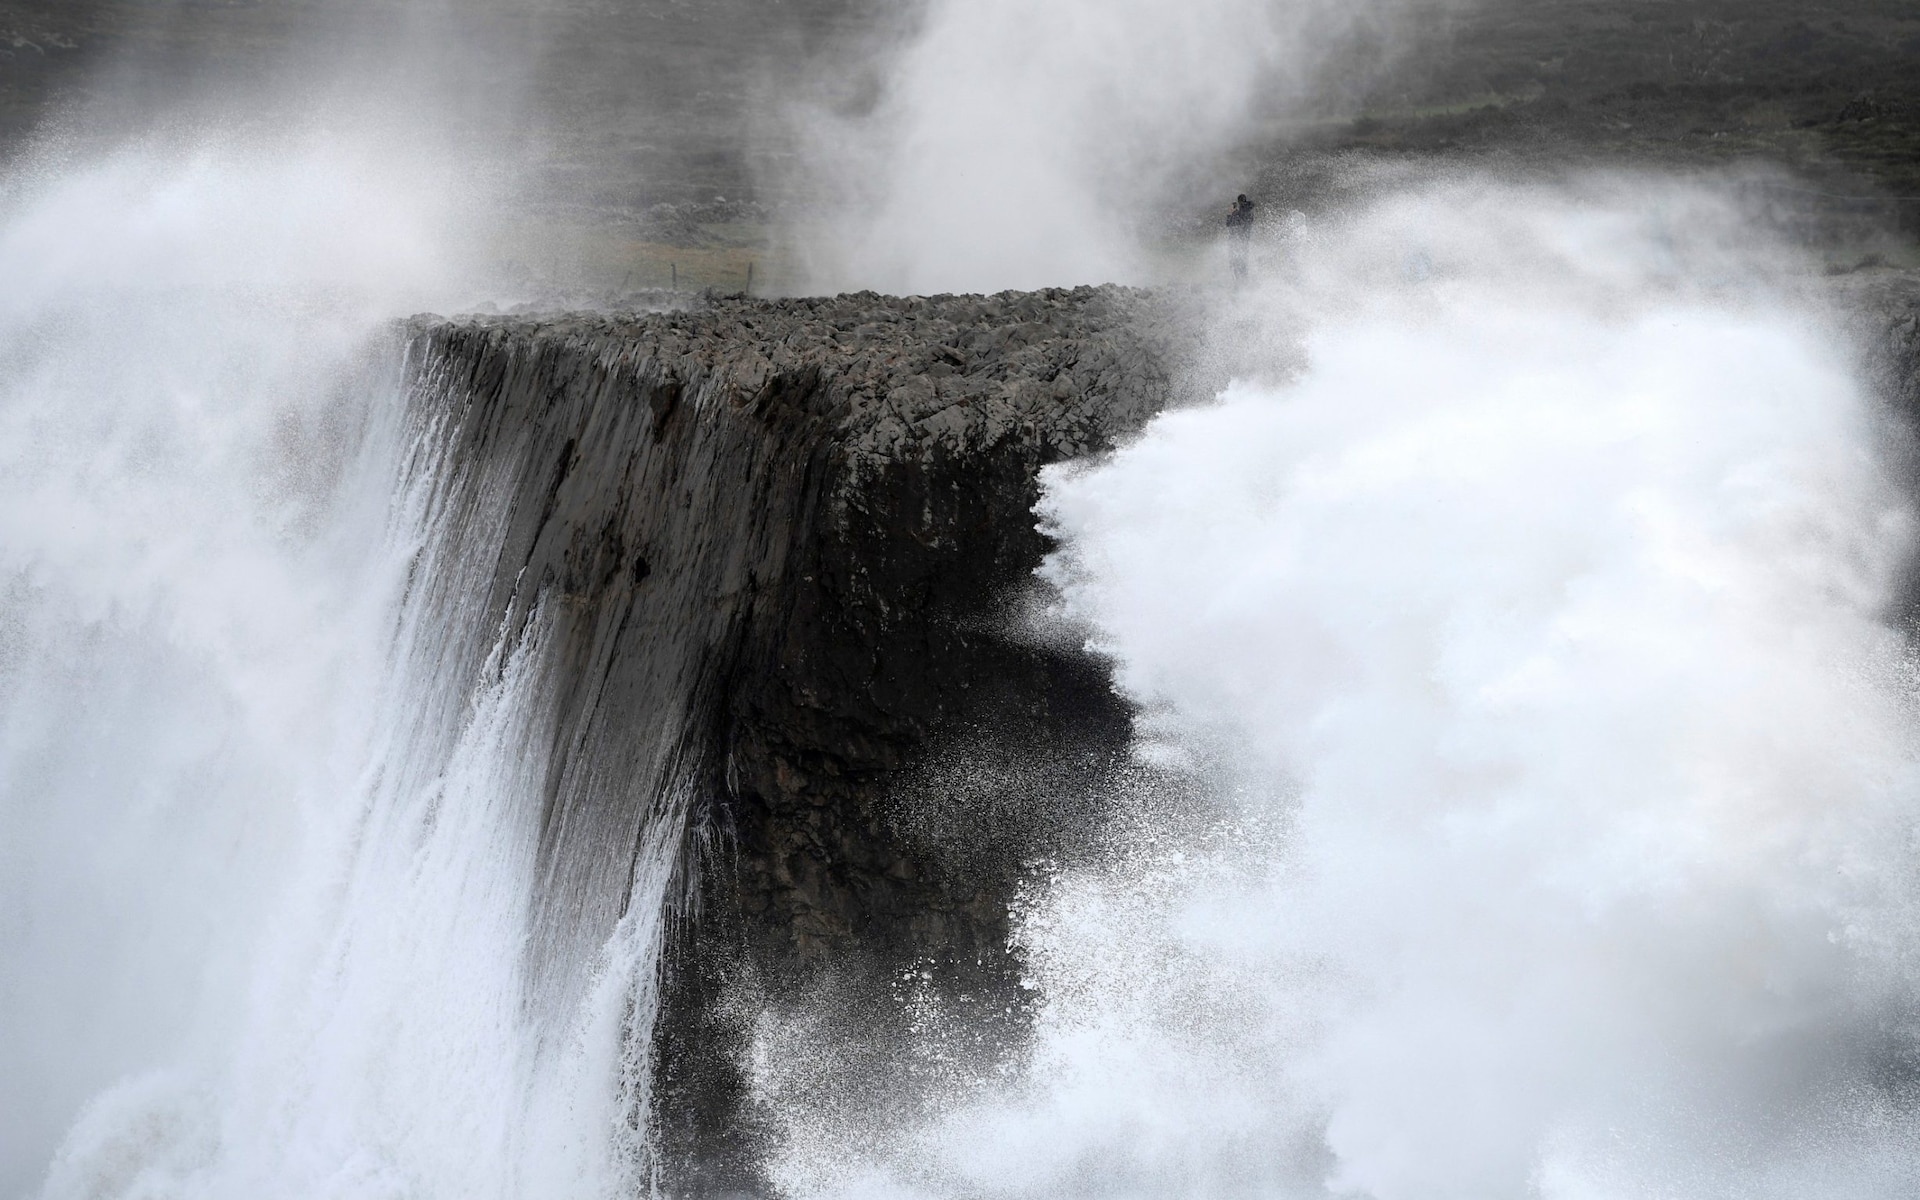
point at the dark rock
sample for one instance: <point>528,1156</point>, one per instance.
<point>773,544</point>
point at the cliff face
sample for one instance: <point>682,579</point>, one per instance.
<point>772,545</point>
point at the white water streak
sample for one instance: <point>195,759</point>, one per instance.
<point>271,802</point>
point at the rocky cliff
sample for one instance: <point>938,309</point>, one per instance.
<point>773,545</point>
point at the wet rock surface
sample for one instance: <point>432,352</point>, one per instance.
<point>781,546</point>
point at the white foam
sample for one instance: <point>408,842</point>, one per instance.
<point>270,807</point>
<point>1533,634</point>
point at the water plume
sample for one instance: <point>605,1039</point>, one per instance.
<point>272,775</point>
<point>1527,626</point>
<point>1016,145</point>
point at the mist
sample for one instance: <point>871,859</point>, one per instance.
<point>203,416</point>
<point>1007,145</point>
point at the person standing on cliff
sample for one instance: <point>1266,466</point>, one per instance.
<point>1239,236</point>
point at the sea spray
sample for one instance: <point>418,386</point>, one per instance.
<point>191,611</point>
<point>1531,636</point>
<point>273,771</point>
<point>1012,144</point>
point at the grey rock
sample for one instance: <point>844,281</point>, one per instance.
<point>773,543</point>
